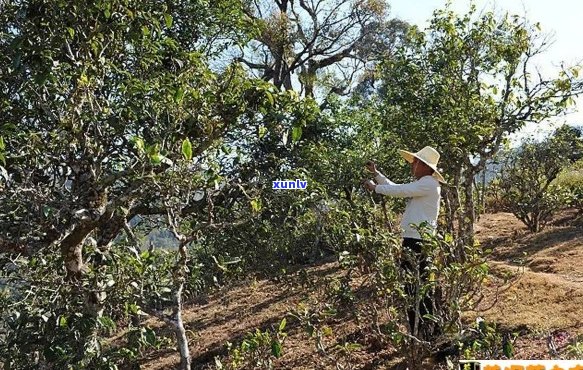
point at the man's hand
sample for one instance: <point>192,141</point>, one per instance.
<point>369,185</point>
<point>371,167</point>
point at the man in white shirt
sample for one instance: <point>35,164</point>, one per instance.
<point>422,208</point>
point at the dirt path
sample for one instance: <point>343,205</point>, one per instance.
<point>545,300</point>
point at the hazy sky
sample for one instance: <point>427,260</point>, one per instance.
<point>562,18</point>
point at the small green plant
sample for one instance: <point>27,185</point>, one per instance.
<point>313,322</point>
<point>340,291</point>
<point>257,350</point>
<point>488,341</point>
<point>575,349</point>
<point>346,351</point>
<point>138,340</point>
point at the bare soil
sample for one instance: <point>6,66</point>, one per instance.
<point>543,300</point>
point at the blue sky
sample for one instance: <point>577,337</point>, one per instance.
<point>561,18</point>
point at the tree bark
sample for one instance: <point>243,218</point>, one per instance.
<point>72,250</point>
<point>452,203</point>
<point>176,320</point>
<point>181,332</point>
<point>181,338</point>
<point>483,192</point>
<point>469,215</point>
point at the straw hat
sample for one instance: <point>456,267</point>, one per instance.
<point>427,155</point>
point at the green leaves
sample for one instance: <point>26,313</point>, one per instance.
<point>261,131</point>
<point>168,20</point>
<point>139,144</point>
<point>258,348</point>
<point>179,95</point>
<point>276,349</point>
<point>187,149</point>
<point>153,152</point>
<point>2,149</point>
<point>256,205</point>
<point>270,98</point>
<point>112,89</point>
<point>527,179</point>
<point>508,348</point>
<point>296,133</point>
<point>107,323</point>
<point>145,31</point>
<point>149,336</point>
<point>47,211</point>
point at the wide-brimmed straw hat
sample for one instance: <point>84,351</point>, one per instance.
<point>427,155</point>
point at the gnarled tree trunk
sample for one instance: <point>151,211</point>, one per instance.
<point>72,250</point>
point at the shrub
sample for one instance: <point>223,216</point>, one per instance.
<point>47,321</point>
<point>453,284</point>
<point>486,340</point>
<point>527,185</point>
<point>256,351</point>
<point>571,179</point>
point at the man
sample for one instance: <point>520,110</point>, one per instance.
<point>422,208</point>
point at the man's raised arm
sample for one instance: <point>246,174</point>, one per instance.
<point>382,179</point>
<point>414,189</point>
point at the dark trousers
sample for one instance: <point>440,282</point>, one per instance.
<point>412,248</point>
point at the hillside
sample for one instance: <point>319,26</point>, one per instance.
<point>543,303</point>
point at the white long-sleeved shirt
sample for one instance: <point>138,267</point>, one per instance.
<point>423,205</point>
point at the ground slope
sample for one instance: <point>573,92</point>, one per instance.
<point>544,302</point>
